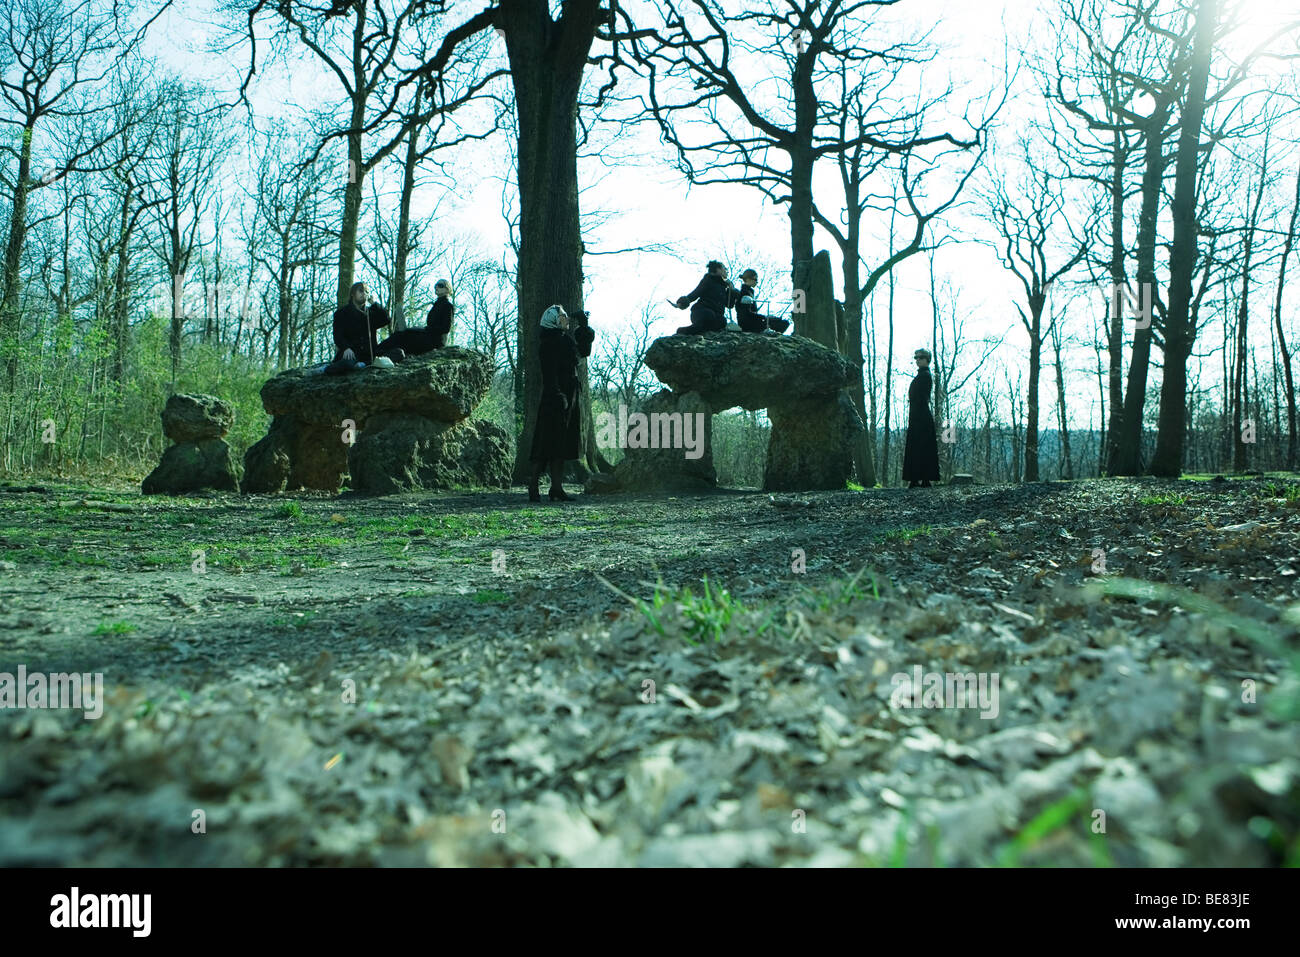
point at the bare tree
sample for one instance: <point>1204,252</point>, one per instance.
<point>1028,216</point>
<point>60,54</point>
<point>184,179</point>
<point>285,231</point>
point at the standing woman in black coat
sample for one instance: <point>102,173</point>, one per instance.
<point>558,435</point>
<point>921,452</point>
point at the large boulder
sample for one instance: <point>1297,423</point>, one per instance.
<point>389,428</point>
<point>295,454</point>
<point>400,451</point>
<point>200,459</point>
<point>798,381</point>
<point>445,385</point>
<point>668,446</point>
<point>193,467</point>
<point>194,418</point>
<point>746,369</point>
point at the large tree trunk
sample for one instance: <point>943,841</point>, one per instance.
<point>547,59</point>
<point>1281,335</point>
<point>1035,367</point>
<point>120,301</point>
<point>1127,437</point>
<point>863,463</point>
<point>12,285</point>
<point>284,306</point>
<point>1062,420</point>
<point>351,206</point>
<point>1115,323</point>
<point>1179,330</point>
<point>402,253</point>
<point>889,367</point>
<point>1240,454</point>
<point>801,162</point>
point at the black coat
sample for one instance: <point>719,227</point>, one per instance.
<point>747,315</point>
<point>438,322</point>
<point>559,429</point>
<point>921,452</point>
<point>355,329</point>
<point>712,297</point>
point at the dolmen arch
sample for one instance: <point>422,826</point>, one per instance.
<point>798,381</point>
<point>395,429</point>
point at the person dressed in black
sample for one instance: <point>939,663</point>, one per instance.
<point>557,436</point>
<point>712,298</point>
<point>355,328</point>
<point>747,315</point>
<point>416,341</point>
<point>921,451</point>
<point>438,322</point>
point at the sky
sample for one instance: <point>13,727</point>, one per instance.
<point>654,204</point>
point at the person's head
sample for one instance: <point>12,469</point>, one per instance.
<point>360,295</point>
<point>749,277</point>
<point>922,357</point>
<point>717,269</point>
<point>555,318</point>
<point>442,289</point>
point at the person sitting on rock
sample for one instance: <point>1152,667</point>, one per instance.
<point>747,315</point>
<point>438,322</point>
<point>712,298</point>
<point>355,327</point>
<point>557,436</point>
<point>417,341</point>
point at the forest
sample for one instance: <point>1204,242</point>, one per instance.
<point>1082,214</point>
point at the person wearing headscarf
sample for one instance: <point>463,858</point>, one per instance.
<point>921,451</point>
<point>712,297</point>
<point>557,437</point>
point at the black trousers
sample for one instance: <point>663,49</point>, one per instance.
<point>414,342</point>
<point>703,319</point>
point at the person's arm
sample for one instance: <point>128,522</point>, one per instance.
<point>690,297</point>
<point>379,316</point>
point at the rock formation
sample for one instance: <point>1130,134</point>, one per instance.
<point>799,382</point>
<point>200,458</point>
<point>392,430</point>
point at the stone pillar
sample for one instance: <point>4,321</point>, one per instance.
<point>811,445</point>
<point>818,322</point>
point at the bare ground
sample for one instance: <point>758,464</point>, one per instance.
<point>465,679</point>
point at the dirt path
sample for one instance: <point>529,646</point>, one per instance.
<point>446,678</point>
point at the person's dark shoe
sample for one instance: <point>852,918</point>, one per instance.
<point>397,355</point>
<point>534,493</point>
<point>557,494</point>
